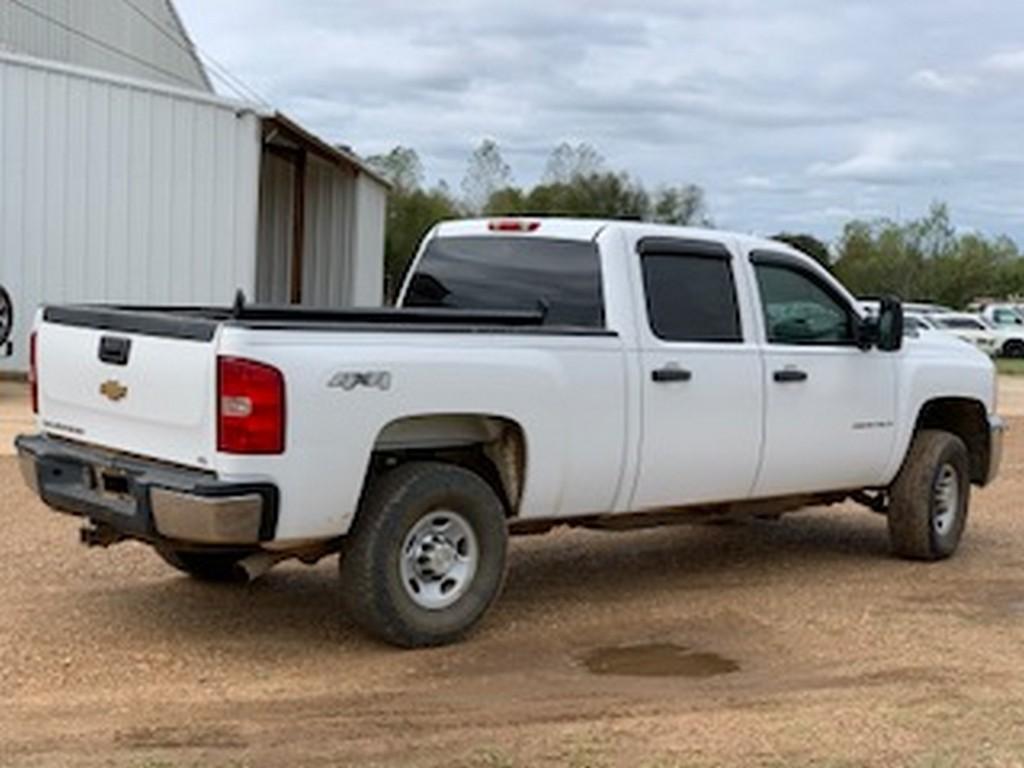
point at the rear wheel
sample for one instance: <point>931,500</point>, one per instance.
<point>930,497</point>
<point>426,556</point>
<point>204,566</point>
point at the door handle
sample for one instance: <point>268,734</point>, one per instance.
<point>790,375</point>
<point>667,375</point>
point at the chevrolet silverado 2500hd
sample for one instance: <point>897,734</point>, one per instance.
<point>537,373</point>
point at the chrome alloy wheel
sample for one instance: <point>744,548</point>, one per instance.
<point>945,499</point>
<point>439,559</point>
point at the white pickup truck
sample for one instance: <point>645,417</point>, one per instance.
<point>538,373</point>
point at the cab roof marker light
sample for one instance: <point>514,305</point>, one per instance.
<point>513,225</point>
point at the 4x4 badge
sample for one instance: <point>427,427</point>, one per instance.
<point>113,390</point>
<point>349,380</point>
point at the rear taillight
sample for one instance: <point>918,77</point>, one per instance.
<point>33,372</point>
<point>250,407</point>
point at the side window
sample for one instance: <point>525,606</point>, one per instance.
<point>799,310</point>
<point>691,297</point>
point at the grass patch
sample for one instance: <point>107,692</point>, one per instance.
<point>1009,367</point>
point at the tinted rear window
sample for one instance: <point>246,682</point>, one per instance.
<point>562,278</point>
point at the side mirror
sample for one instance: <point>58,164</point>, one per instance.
<point>890,324</point>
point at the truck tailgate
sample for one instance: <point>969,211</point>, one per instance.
<point>152,395</point>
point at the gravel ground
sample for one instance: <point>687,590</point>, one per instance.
<point>792,644</point>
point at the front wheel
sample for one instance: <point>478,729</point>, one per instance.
<point>1013,348</point>
<point>930,497</point>
<point>426,556</point>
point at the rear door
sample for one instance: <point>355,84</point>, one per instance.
<point>148,391</point>
<point>701,368</point>
<point>830,406</point>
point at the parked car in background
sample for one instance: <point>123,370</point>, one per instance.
<point>924,326</point>
<point>870,305</point>
<point>1003,316</point>
<point>925,308</point>
<point>6,323</point>
<point>969,328</point>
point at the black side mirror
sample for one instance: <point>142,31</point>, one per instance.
<point>890,324</point>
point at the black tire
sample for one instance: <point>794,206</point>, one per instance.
<point>6,316</point>
<point>219,567</point>
<point>916,513</point>
<point>396,504</point>
<point>1013,348</point>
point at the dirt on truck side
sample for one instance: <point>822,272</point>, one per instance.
<point>798,643</point>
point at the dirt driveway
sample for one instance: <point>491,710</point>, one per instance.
<point>792,644</point>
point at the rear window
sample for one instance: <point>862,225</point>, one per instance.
<point>561,278</point>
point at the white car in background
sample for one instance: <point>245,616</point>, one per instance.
<point>1003,316</point>
<point>918,308</point>
<point>973,329</point>
<point>918,325</point>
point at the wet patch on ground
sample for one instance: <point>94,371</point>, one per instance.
<point>657,660</point>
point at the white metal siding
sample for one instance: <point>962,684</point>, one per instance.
<point>113,191</point>
<point>367,280</point>
<point>343,234</point>
<point>274,247</point>
<point>330,222</point>
<point>151,34</point>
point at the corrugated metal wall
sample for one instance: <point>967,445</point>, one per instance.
<point>330,225</point>
<point>112,191</point>
<point>123,32</point>
<point>367,280</point>
<point>274,246</point>
<point>343,242</point>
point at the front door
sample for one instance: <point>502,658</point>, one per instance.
<point>830,406</point>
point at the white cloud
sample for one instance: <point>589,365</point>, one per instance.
<point>756,182</point>
<point>1006,63</point>
<point>887,157</point>
<point>672,91</point>
<point>930,80</point>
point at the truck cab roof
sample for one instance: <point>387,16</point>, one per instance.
<point>590,229</point>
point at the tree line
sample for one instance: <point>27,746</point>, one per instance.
<point>925,259</point>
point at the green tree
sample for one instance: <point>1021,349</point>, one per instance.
<point>681,206</point>
<point>486,173</point>
<point>412,211</point>
<point>926,259</point>
<point>567,162</point>
<point>410,216</point>
<point>401,166</point>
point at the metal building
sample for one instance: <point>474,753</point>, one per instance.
<point>135,38</point>
<point>117,189</point>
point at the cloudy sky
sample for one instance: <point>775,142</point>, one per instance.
<point>792,114</point>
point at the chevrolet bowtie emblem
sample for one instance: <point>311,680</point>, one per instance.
<point>113,390</point>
